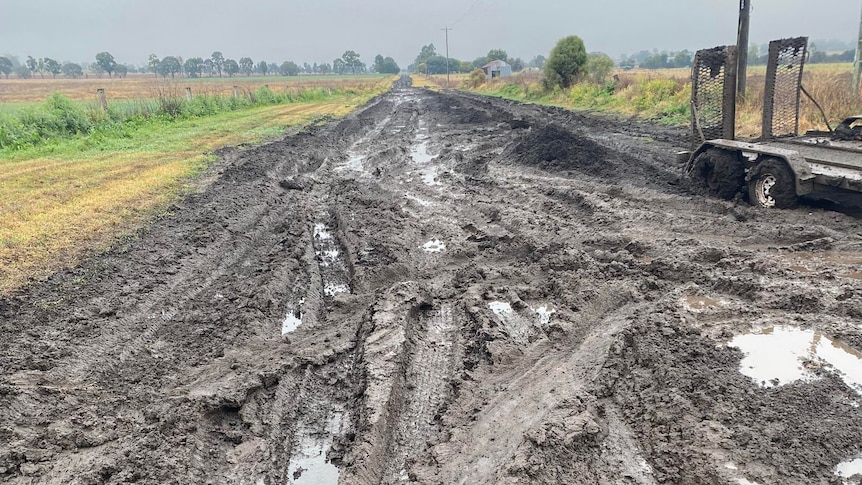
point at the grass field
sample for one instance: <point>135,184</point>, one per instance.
<point>64,199</point>
<point>20,91</point>
<point>663,95</point>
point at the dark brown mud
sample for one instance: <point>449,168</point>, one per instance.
<point>440,288</point>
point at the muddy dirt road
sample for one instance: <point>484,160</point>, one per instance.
<point>443,289</point>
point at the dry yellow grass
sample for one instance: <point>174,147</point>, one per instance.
<point>829,84</point>
<point>142,87</point>
<point>55,209</point>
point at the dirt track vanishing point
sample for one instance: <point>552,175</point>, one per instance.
<point>445,288</point>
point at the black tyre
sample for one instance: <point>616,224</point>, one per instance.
<point>722,172</point>
<point>772,184</point>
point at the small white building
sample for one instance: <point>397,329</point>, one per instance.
<point>495,69</point>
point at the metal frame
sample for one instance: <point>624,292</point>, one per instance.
<point>713,94</point>
<point>783,87</point>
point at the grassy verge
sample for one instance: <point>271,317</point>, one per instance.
<point>663,95</point>
<point>66,197</point>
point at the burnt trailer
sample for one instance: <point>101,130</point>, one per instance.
<point>781,166</point>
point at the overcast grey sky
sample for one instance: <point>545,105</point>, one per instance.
<point>321,30</point>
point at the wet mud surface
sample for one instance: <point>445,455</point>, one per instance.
<point>446,288</point>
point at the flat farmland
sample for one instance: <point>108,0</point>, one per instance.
<point>16,92</point>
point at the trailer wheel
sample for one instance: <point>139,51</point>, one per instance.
<point>722,172</point>
<point>772,184</point>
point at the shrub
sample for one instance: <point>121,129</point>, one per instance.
<point>566,63</point>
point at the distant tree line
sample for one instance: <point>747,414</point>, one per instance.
<point>430,62</point>
<point>195,67</point>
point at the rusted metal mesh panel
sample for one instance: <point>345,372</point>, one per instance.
<point>783,81</point>
<point>712,93</point>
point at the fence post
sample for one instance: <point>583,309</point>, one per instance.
<point>188,93</point>
<point>103,101</point>
<point>236,91</point>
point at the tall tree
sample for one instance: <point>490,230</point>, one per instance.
<point>263,67</point>
<point>231,68</point>
<point>427,52</point>
<point>106,62</point>
<point>338,66</point>
<point>246,65</point>
<point>497,55</point>
<point>538,61</point>
<point>6,66</point>
<point>72,70</point>
<point>351,60</point>
<point>218,61</point>
<point>378,63</point>
<point>31,64</point>
<point>289,68</point>
<point>194,66</point>
<point>153,64</point>
<point>52,66</point>
<point>40,66</point>
<point>170,65</point>
<point>121,70</point>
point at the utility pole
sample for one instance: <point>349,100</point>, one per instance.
<point>857,66</point>
<point>742,45</point>
<point>447,29</point>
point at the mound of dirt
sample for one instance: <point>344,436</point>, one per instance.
<point>551,147</point>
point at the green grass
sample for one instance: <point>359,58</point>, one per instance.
<point>67,197</point>
<point>662,100</point>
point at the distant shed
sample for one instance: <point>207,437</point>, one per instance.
<point>495,69</point>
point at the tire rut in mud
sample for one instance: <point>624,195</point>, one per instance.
<point>439,288</point>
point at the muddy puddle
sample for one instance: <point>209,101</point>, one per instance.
<point>781,355</point>
<point>700,303</point>
<point>850,471</point>
<point>331,261</point>
<point>434,246</point>
<point>419,153</point>
<point>293,320</point>
<point>309,464</point>
<point>844,264</point>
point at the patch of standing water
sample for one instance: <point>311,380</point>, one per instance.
<point>434,246</point>
<point>501,308</point>
<point>850,471</point>
<point>333,289</point>
<point>322,232</point>
<point>782,355</point>
<point>293,319</point>
<point>420,154</point>
<point>308,463</point>
<point>698,304</point>
<point>429,176</point>
<point>544,314</point>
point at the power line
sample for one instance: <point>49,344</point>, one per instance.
<point>467,12</point>
<point>447,29</point>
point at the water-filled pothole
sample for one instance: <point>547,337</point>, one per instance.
<point>293,320</point>
<point>308,463</point>
<point>782,355</point>
<point>419,153</point>
<point>850,471</point>
<point>697,304</point>
<point>544,313</point>
<point>434,246</point>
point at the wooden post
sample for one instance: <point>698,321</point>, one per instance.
<point>103,101</point>
<point>188,93</point>
<point>236,91</point>
<point>857,67</point>
<point>742,45</point>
